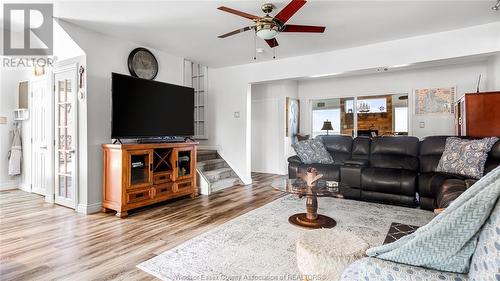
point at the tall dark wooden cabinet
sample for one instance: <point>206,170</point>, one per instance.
<point>478,115</point>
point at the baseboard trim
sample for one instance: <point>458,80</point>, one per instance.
<point>89,209</point>
<point>8,185</point>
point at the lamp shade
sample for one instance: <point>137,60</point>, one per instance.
<point>327,125</point>
<point>267,33</point>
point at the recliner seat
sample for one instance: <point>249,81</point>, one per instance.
<point>392,175</point>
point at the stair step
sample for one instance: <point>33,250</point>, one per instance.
<point>211,164</point>
<point>225,183</point>
<point>206,151</point>
<point>215,171</point>
<point>218,174</point>
<point>203,155</point>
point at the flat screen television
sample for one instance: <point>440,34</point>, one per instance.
<point>144,108</point>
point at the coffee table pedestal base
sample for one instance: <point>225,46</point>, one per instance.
<point>320,222</point>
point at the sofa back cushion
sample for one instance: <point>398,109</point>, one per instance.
<point>338,146</point>
<point>361,148</point>
<point>396,152</point>
<point>312,151</point>
<point>465,157</point>
<point>493,159</point>
<point>484,263</point>
<point>432,148</point>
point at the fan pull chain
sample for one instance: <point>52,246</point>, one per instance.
<point>255,47</point>
<point>274,53</point>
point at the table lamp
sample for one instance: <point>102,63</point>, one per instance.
<point>327,125</point>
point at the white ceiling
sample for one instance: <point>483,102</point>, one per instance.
<point>190,28</point>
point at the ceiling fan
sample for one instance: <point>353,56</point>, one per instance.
<point>268,27</point>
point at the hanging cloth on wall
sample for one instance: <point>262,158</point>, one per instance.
<point>15,153</point>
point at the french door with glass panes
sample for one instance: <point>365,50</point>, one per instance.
<point>65,80</point>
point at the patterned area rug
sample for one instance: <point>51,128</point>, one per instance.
<point>260,245</point>
<point>398,230</point>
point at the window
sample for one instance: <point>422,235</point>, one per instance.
<point>332,110</point>
<point>367,105</point>
<point>401,119</point>
<point>372,116</point>
<point>321,115</point>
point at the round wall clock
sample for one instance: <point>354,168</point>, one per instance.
<point>142,63</point>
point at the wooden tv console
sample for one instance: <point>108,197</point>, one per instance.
<point>137,175</point>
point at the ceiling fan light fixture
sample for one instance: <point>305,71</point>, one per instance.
<point>267,34</point>
<point>267,29</point>
<point>497,6</point>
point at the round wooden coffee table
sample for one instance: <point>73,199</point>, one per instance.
<point>310,219</point>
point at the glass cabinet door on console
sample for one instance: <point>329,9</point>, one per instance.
<point>182,159</point>
<point>140,167</point>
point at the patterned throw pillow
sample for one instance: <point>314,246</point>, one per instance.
<point>465,157</point>
<point>312,151</point>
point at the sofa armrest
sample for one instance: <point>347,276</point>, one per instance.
<point>351,175</point>
<point>293,166</point>
<point>357,162</point>
<point>294,159</point>
<point>469,182</point>
<point>450,190</point>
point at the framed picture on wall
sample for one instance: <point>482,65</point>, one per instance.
<point>434,100</point>
<point>292,117</point>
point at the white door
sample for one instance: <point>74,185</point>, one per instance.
<point>40,136</point>
<point>65,96</point>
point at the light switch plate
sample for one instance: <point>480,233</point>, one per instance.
<point>421,124</point>
<point>236,114</point>
<point>3,120</point>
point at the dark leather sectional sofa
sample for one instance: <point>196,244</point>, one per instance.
<point>395,170</point>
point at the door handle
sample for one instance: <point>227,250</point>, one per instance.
<point>43,146</point>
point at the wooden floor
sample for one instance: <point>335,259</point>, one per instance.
<point>39,241</point>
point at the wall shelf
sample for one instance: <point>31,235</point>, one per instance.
<point>195,75</point>
<point>21,114</point>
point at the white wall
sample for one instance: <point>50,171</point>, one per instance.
<point>64,46</point>
<point>270,147</point>
<point>105,55</point>
<point>463,76</point>
<point>9,96</point>
<point>230,91</point>
<point>494,73</point>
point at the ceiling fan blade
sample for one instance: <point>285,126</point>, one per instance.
<point>272,42</point>
<point>303,28</point>
<point>238,13</point>
<point>290,9</point>
<point>240,30</point>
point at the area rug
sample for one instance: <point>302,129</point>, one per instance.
<point>398,230</point>
<point>260,245</point>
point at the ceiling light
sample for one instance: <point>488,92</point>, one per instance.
<point>497,6</point>
<point>266,28</point>
<point>267,34</point>
<point>325,75</point>
<point>400,65</point>
<point>259,50</point>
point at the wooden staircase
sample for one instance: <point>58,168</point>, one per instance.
<point>214,173</point>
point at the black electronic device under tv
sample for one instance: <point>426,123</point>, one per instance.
<point>144,108</point>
